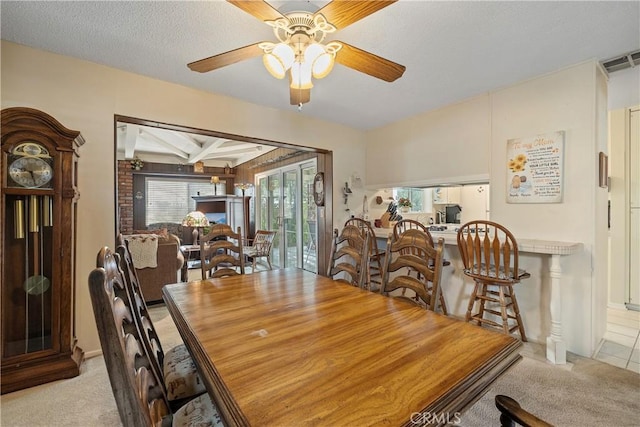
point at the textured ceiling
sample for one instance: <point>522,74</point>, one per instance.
<point>452,50</point>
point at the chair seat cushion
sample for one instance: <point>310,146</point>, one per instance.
<point>175,355</point>
<point>181,378</point>
<point>249,251</point>
<point>500,274</point>
<point>200,411</point>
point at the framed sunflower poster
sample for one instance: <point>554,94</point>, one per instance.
<point>535,168</point>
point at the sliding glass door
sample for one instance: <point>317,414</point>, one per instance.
<point>286,206</point>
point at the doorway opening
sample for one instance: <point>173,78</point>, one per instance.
<point>285,205</point>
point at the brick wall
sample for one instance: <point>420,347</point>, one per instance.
<point>125,196</point>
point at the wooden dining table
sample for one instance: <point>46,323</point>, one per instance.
<point>291,348</point>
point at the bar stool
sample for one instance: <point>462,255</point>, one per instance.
<point>489,253</point>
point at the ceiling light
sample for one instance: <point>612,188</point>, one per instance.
<point>300,50</point>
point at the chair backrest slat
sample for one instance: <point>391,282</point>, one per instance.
<point>221,252</point>
<point>149,335</point>
<point>412,251</point>
<point>348,255</point>
<point>497,256</point>
<point>139,397</point>
<point>365,228</point>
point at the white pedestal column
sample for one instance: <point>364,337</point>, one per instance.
<point>556,347</point>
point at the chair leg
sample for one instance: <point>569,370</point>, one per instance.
<point>484,288</point>
<point>516,311</point>
<point>472,301</point>
<point>443,305</point>
<point>269,262</point>
<point>503,310</point>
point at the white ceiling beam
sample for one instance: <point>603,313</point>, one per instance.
<point>223,153</point>
<point>167,144</point>
<point>207,148</point>
<point>252,154</point>
<point>186,137</point>
<point>131,133</point>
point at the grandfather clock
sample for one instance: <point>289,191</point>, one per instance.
<point>38,216</point>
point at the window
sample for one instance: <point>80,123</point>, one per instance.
<point>169,199</point>
<point>415,195</point>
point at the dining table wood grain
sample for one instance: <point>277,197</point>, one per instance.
<point>288,347</point>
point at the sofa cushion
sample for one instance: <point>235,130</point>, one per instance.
<point>162,232</point>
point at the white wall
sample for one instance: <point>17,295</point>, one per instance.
<point>467,135</point>
<point>447,145</point>
<point>84,96</point>
<point>624,88</point>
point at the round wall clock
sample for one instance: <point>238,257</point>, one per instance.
<point>318,189</point>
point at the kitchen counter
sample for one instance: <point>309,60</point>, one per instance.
<point>549,247</point>
<point>556,348</point>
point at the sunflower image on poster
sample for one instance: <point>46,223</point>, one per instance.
<point>534,168</point>
<point>519,184</point>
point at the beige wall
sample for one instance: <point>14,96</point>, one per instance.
<point>462,142</point>
<point>450,144</point>
<point>84,96</point>
<point>469,139</point>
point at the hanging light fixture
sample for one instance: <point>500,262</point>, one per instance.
<point>300,50</point>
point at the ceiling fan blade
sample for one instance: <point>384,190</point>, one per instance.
<point>227,58</point>
<point>258,8</point>
<point>341,13</point>
<point>300,96</point>
<point>368,63</point>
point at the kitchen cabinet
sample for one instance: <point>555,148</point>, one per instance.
<point>446,195</point>
<point>474,200</point>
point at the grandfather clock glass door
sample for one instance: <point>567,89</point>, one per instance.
<point>27,301</point>
<point>38,216</point>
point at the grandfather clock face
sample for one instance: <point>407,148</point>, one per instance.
<point>29,166</point>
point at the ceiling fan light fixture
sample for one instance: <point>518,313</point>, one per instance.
<point>301,75</point>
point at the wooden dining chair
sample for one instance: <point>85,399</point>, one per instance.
<point>410,224</point>
<point>512,414</point>
<point>175,367</point>
<point>412,251</point>
<point>348,256</point>
<point>260,247</point>
<point>489,253</point>
<point>373,273</point>
<point>221,252</point>
<point>138,393</point>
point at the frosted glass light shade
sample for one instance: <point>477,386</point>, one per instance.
<point>301,76</point>
<point>321,61</point>
<point>279,60</point>
<point>322,66</point>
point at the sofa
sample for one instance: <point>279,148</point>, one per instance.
<point>168,270</point>
<point>185,234</point>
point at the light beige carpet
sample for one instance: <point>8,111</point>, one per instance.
<point>582,394</point>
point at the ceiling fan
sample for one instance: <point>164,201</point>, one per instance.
<point>299,49</point>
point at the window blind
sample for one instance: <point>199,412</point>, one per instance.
<point>170,199</point>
